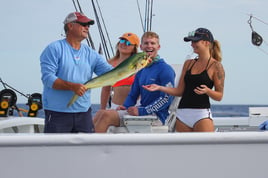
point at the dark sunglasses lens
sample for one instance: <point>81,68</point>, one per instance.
<point>83,24</point>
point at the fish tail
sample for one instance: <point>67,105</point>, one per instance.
<point>74,98</point>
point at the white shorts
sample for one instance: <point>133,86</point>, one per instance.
<point>191,116</point>
<point>113,106</point>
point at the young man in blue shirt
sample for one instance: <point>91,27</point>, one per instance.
<point>150,102</point>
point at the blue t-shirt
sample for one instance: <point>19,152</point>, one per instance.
<point>156,102</point>
<point>60,60</point>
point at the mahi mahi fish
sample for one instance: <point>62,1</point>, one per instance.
<point>125,69</point>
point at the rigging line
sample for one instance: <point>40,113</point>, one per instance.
<point>250,24</point>
<point>140,15</point>
<point>145,15</point>
<point>80,9</point>
<point>74,5</point>
<point>2,83</point>
<point>151,15</point>
<point>148,15</point>
<point>251,16</point>
<point>260,20</point>
<point>100,31</point>
<point>88,39</point>
<point>6,85</point>
<point>106,31</point>
<point>262,50</point>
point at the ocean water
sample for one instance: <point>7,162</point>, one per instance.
<point>217,110</point>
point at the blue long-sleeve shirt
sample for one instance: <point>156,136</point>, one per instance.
<point>152,102</point>
<point>60,60</point>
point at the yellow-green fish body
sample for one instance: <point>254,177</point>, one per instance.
<point>125,69</point>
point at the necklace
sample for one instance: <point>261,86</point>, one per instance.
<point>76,55</point>
<point>200,67</point>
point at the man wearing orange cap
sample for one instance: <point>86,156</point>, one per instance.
<point>65,65</point>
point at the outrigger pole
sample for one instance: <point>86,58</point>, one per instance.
<point>103,33</point>
<point>5,85</point>
<point>148,16</point>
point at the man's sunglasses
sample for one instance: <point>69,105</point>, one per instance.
<point>82,24</point>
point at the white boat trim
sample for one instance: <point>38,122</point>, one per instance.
<point>191,155</point>
<point>13,124</point>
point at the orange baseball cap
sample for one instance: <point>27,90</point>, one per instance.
<point>131,37</point>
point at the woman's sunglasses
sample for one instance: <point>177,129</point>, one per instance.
<point>125,41</point>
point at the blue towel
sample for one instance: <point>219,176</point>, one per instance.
<point>264,125</point>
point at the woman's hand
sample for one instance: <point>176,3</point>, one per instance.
<point>202,89</point>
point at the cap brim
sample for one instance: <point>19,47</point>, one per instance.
<point>91,22</point>
<point>84,19</point>
<point>191,38</point>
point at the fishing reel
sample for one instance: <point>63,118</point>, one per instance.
<point>8,99</point>
<point>35,104</point>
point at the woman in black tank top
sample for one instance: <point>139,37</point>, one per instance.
<point>201,79</point>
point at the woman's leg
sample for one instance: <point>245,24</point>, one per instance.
<point>181,127</point>
<point>204,125</point>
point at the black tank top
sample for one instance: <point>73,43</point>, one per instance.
<point>189,98</point>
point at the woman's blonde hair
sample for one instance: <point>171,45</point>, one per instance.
<point>215,50</point>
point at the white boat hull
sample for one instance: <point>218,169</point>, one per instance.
<point>191,155</point>
<point>12,124</point>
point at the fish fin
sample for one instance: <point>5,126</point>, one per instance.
<point>74,98</point>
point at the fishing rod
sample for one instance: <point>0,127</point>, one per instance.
<point>151,15</point>
<point>256,39</point>
<point>89,39</point>
<point>148,15</point>
<point>102,36</point>
<point>108,38</point>
<point>139,9</point>
<point>5,85</point>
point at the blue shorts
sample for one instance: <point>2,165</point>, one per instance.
<point>62,122</point>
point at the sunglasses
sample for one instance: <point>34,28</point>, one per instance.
<point>194,33</point>
<point>126,42</point>
<point>82,24</point>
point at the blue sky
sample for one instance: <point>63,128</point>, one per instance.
<point>28,26</point>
